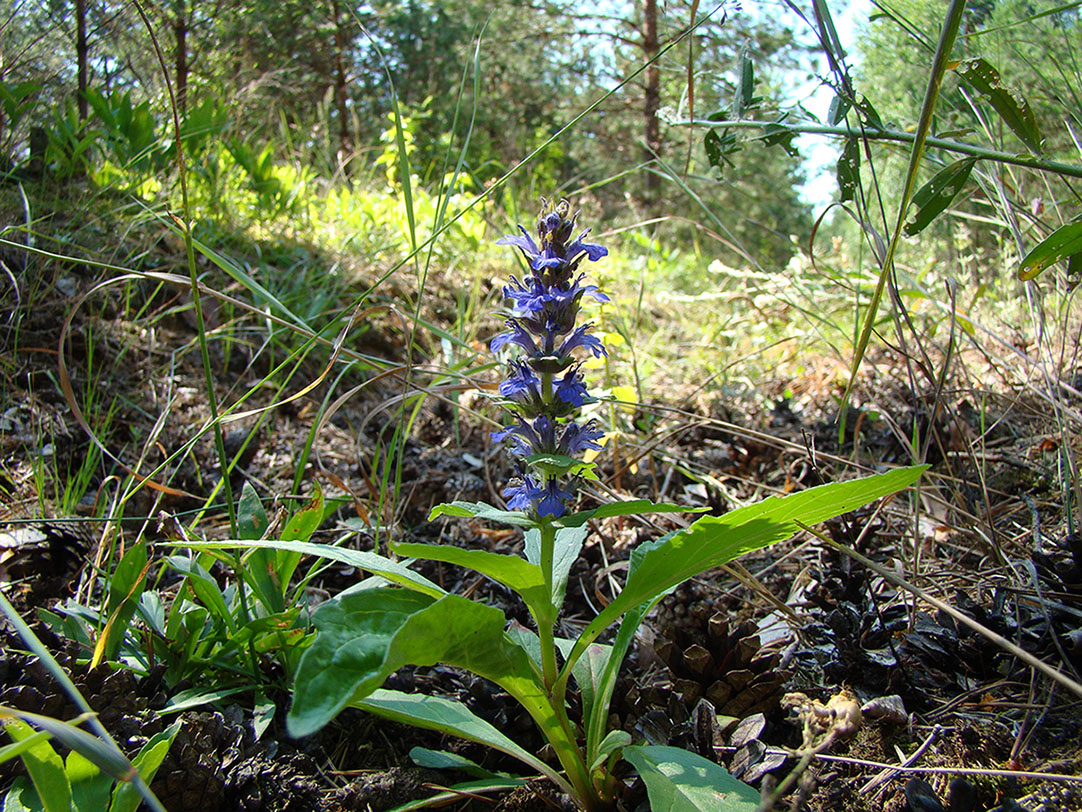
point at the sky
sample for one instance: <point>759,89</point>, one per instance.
<point>821,151</point>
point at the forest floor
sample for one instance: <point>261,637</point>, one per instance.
<point>941,701</point>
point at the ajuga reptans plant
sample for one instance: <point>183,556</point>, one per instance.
<point>544,388</point>
<point>401,618</point>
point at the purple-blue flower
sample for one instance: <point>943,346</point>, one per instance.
<point>521,384</point>
<point>543,381</point>
<point>577,439</point>
<point>572,388</point>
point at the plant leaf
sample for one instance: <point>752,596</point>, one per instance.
<point>89,785</point>
<point>126,797</point>
<point>938,193</point>
<point>482,511</point>
<point>848,169</point>
<point>1011,105</point>
<point>715,540</point>
<point>252,521</point>
<point>679,781</point>
<point>125,588</point>
<point>565,552</point>
<point>523,577</point>
<point>45,767</point>
<point>366,636</point>
<point>443,760</point>
<point>447,716</point>
<point>393,571</point>
<point>636,506</point>
<point>1064,242</point>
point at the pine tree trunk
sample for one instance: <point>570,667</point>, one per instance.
<point>81,57</point>
<point>651,104</point>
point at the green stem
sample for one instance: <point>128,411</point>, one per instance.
<point>901,137</point>
<point>545,624</point>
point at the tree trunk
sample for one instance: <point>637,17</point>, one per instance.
<point>651,104</point>
<point>81,57</point>
<point>180,30</point>
<point>340,82</point>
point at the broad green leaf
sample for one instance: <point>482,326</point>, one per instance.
<point>715,540</point>
<point>393,571</point>
<point>126,797</point>
<point>565,552</point>
<point>480,510</point>
<point>22,798</point>
<point>45,767</point>
<point>938,193</point>
<point>679,781</point>
<point>442,760</point>
<point>448,716</point>
<point>89,785</point>
<point>17,748</point>
<point>513,572</point>
<point>1011,105</point>
<point>848,170</point>
<point>252,521</point>
<point>1064,242</point>
<point>364,637</point>
<point>634,506</point>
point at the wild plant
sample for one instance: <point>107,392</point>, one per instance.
<point>402,618</point>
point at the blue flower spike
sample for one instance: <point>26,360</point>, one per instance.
<point>544,386</point>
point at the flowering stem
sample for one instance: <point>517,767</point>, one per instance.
<point>545,624</point>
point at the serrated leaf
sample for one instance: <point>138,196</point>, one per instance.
<point>1011,105</point>
<point>679,781</point>
<point>938,193</point>
<point>1064,242</point>
<point>848,170</point>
